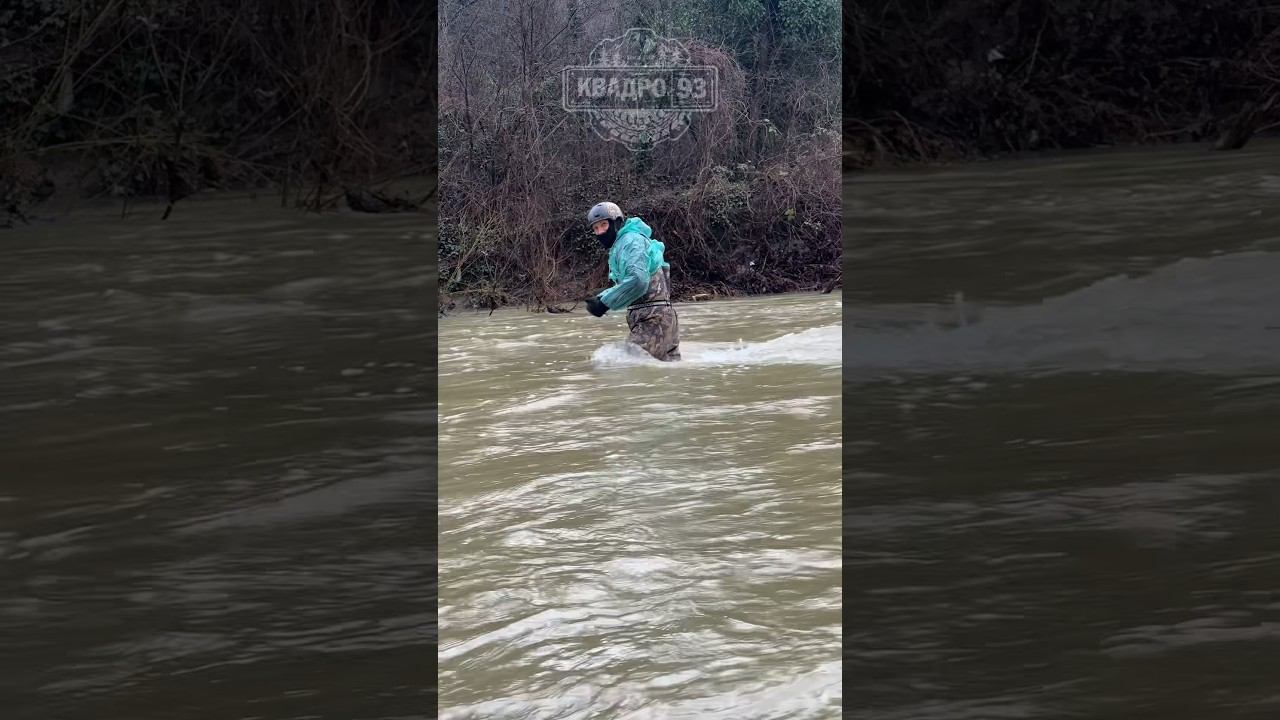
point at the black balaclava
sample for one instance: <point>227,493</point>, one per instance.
<point>607,237</point>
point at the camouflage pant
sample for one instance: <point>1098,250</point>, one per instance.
<point>652,320</point>
<point>656,329</point>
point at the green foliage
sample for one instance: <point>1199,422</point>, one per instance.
<point>726,199</point>
<point>642,158</point>
<point>808,29</point>
<point>811,23</point>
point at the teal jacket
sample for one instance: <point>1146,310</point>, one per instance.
<point>633,259</point>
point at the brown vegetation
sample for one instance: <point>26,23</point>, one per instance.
<point>746,201</point>
<point>168,97</point>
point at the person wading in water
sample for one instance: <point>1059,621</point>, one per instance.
<point>642,281</point>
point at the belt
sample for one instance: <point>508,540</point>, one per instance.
<point>652,303</point>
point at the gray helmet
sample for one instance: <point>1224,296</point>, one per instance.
<point>603,211</point>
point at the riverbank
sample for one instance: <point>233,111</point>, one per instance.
<point>453,306</point>
<point>570,292</point>
<point>569,295</point>
<point>751,229</point>
<point>858,160</point>
<point>411,194</point>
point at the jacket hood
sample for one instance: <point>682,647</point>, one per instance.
<point>636,225</point>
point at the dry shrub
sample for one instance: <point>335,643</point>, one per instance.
<point>744,203</point>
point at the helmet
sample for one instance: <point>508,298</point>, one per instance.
<point>604,211</point>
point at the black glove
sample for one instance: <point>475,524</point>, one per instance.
<point>595,307</point>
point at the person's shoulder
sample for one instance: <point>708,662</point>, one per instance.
<point>632,239</point>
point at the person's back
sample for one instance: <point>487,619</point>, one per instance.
<point>642,281</point>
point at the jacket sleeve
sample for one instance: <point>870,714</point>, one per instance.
<point>635,274</point>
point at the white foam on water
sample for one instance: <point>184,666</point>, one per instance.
<point>813,447</point>
<point>546,402</point>
<point>815,346</point>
